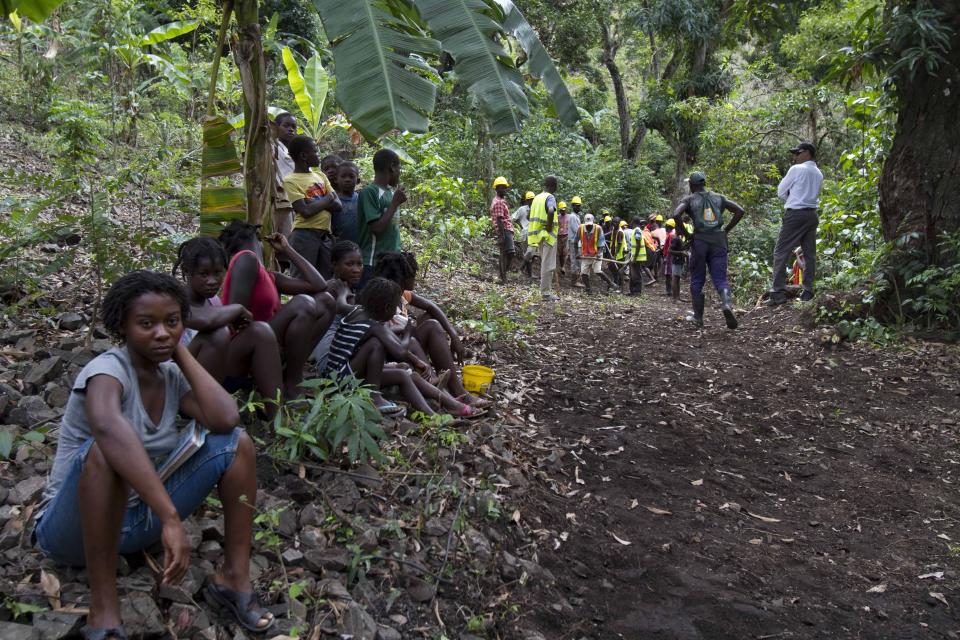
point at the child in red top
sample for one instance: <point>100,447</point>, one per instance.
<point>301,322</point>
<point>238,351</point>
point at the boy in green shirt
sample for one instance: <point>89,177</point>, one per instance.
<point>377,211</point>
<point>313,200</point>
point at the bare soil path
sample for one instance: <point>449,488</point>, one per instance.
<point>749,484</point>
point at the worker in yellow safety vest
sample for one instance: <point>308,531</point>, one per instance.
<point>542,233</point>
<point>637,251</point>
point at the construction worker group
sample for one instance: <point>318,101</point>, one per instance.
<point>625,254</point>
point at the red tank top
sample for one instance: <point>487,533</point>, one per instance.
<point>264,299</point>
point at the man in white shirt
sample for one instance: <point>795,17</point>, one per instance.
<point>800,191</point>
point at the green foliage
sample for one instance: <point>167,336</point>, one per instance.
<point>822,32</point>
<point>850,217</point>
<point>341,414</point>
<point>885,48</point>
<point>309,88</point>
<point>36,10</point>
<point>383,58</point>
<point>472,38</point>
<point>932,296</point>
<point>19,609</point>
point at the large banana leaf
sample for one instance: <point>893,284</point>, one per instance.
<point>539,63</point>
<point>36,10</point>
<point>317,85</point>
<point>297,85</point>
<point>168,32</point>
<point>469,35</point>
<point>379,66</point>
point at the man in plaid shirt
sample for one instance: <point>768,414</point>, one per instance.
<point>502,225</point>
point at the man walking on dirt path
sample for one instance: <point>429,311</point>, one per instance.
<point>800,191</point>
<point>542,233</point>
<point>709,246</point>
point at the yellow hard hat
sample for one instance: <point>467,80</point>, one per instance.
<point>607,218</point>
<point>576,200</point>
<point>529,195</point>
<point>562,205</point>
<point>671,223</point>
<point>659,218</point>
<point>500,180</point>
<point>623,223</point>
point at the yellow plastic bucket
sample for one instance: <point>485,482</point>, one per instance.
<point>477,378</point>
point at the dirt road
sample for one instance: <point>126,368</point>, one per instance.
<point>747,484</point>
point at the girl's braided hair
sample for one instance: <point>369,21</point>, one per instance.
<point>194,250</point>
<point>341,249</point>
<point>398,266</point>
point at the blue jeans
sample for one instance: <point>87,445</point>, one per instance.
<point>704,255</point>
<point>58,532</point>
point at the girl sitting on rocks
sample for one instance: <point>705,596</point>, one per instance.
<point>105,495</point>
<point>362,345</point>
<point>434,337</point>
<point>298,324</point>
<point>238,351</point>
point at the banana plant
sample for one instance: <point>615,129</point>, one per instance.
<point>309,87</point>
<point>381,50</point>
<point>132,52</point>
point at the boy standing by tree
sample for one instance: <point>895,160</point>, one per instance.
<point>502,226</point>
<point>378,211</point>
<point>284,128</point>
<point>314,201</point>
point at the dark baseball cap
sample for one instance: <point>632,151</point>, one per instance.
<point>697,177</point>
<point>804,146</point>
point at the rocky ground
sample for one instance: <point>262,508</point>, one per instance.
<point>639,480</point>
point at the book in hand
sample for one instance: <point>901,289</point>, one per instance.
<point>193,438</point>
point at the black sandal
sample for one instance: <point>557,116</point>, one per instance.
<point>89,633</point>
<point>245,607</point>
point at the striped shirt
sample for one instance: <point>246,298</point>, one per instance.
<point>349,334</point>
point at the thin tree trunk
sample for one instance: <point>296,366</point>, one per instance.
<point>610,62</point>
<point>258,164</point>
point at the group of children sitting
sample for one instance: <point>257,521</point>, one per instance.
<point>150,426</point>
<point>248,339</point>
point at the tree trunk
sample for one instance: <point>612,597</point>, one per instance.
<point>610,62</point>
<point>258,164</point>
<point>918,185</point>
